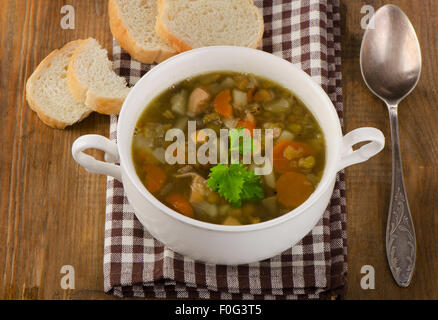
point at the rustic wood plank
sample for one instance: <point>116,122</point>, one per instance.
<point>369,184</point>
<point>52,211</point>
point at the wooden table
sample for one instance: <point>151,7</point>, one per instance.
<point>52,211</point>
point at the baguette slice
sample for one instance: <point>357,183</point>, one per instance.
<point>188,24</point>
<point>91,79</point>
<point>132,25</point>
<point>47,91</point>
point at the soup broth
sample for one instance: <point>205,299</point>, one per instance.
<point>230,194</point>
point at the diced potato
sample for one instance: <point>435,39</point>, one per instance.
<point>270,204</point>
<point>231,221</point>
<point>271,125</point>
<point>223,209</point>
<point>179,102</point>
<point>203,207</point>
<point>227,83</point>
<point>240,98</point>
<point>270,180</point>
<point>277,105</point>
<point>253,82</point>
<point>286,136</point>
<point>209,78</point>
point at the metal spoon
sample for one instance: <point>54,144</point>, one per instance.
<point>390,61</point>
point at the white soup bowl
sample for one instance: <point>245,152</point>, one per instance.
<point>218,243</point>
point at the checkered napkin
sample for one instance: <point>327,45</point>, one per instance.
<point>306,33</point>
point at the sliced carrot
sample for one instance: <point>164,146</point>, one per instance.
<point>180,204</point>
<point>249,122</point>
<point>285,152</point>
<point>155,177</point>
<point>247,125</point>
<point>293,189</point>
<point>222,104</point>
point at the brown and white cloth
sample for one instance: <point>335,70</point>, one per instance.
<point>306,33</point>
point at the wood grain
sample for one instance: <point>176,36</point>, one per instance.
<point>369,184</point>
<point>52,211</point>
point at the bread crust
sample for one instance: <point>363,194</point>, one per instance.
<point>104,105</point>
<point>127,42</point>
<point>163,32</point>
<point>179,44</point>
<point>83,94</point>
<point>31,81</point>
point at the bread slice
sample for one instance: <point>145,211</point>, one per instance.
<point>91,79</point>
<point>47,91</point>
<point>132,24</point>
<point>188,24</point>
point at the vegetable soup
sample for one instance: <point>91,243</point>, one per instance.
<point>230,194</point>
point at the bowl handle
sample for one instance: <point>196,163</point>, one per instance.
<point>94,141</point>
<point>350,156</point>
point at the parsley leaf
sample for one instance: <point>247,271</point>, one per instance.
<point>252,187</point>
<point>235,183</point>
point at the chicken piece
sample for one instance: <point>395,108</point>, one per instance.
<point>231,221</point>
<point>199,187</point>
<point>185,169</point>
<point>277,132</point>
<point>198,101</point>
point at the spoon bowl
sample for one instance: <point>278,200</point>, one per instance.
<point>390,56</point>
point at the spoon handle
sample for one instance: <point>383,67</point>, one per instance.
<point>400,234</point>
